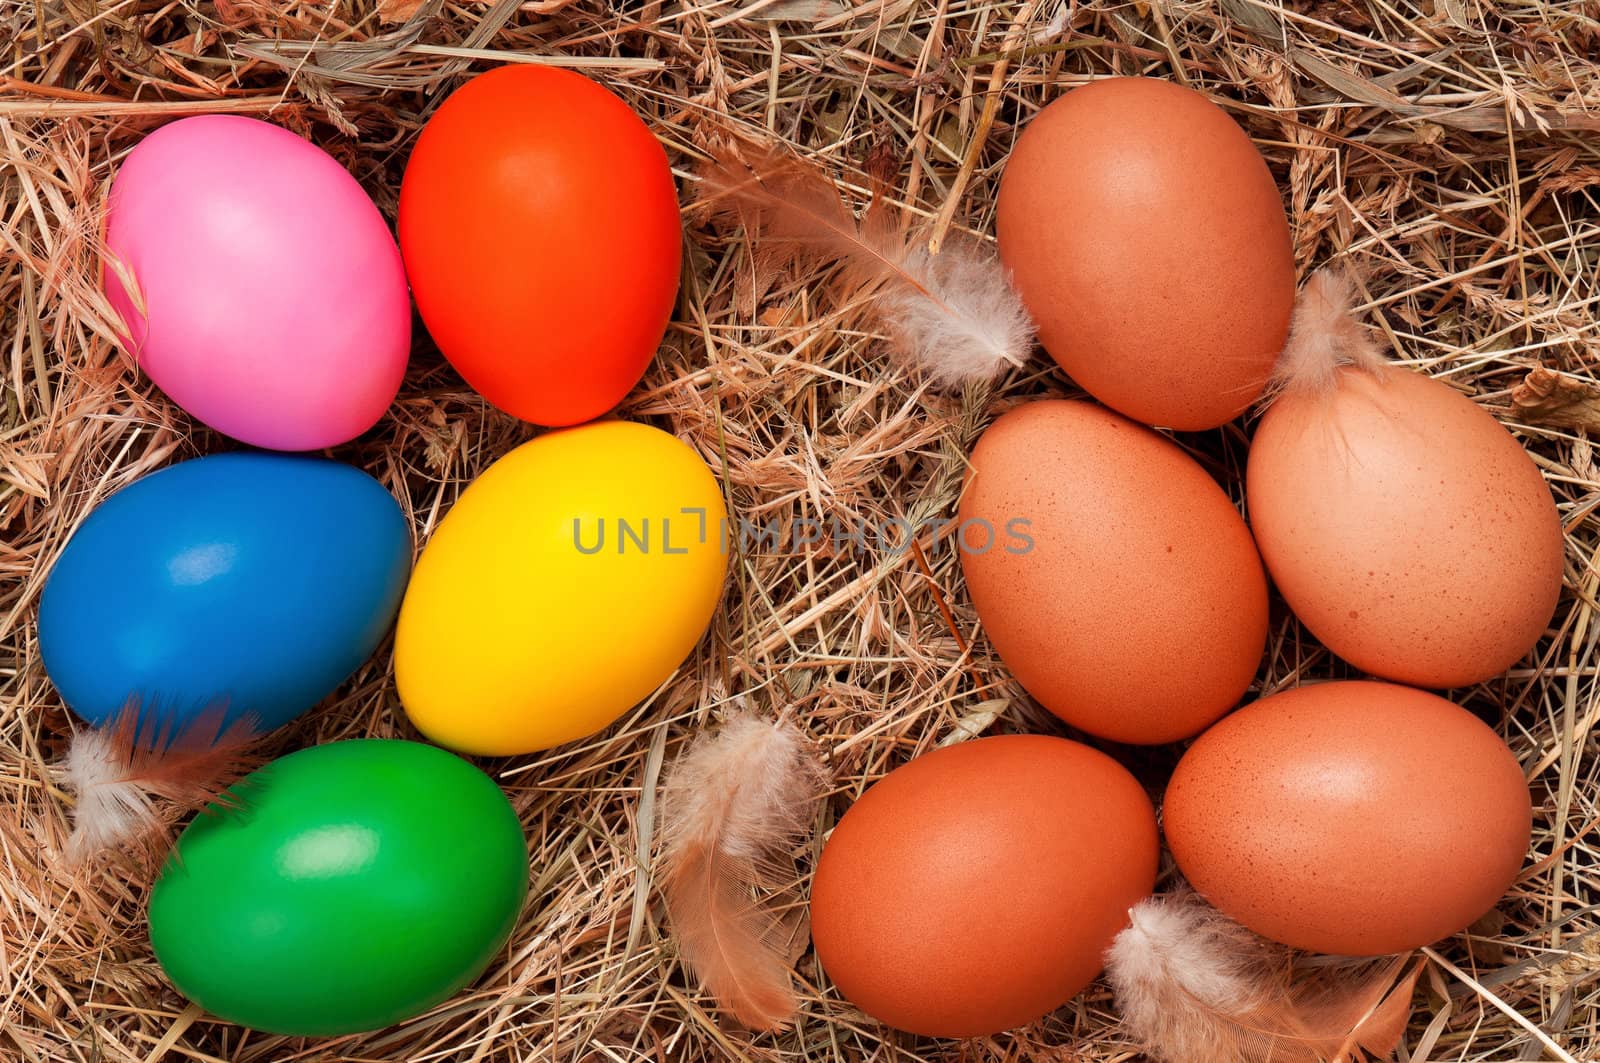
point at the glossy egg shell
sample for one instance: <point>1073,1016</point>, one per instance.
<point>348,887</point>
<point>1148,241</point>
<point>539,222</point>
<point>250,580</point>
<point>1353,818</point>
<point>1136,609</point>
<point>269,299</point>
<point>977,887</point>
<point>1406,528</point>
<point>567,583</point>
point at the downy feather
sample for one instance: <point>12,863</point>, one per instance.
<point>733,807</point>
<point>954,314</point>
<point>1192,985</point>
<point>1324,337</point>
<point>122,772</point>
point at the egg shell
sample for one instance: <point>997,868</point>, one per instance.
<point>539,222</point>
<point>1354,818</point>
<point>343,888</point>
<point>269,299</point>
<point>1148,241</point>
<point>977,887</point>
<point>1406,528</point>
<point>1132,603</point>
<point>255,581</point>
<point>568,582</point>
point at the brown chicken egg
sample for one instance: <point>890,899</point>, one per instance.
<point>977,887</point>
<point>1354,818</point>
<point>1119,584</point>
<point>1148,241</point>
<point>1405,527</point>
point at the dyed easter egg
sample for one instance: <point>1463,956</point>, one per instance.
<point>343,888</point>
<point>254,581</point>
<point>257,284</point>
<point>978,887</point>
<point>539,222</point>
<point>568,582</point>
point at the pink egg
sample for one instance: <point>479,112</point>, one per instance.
<point>269,298</point>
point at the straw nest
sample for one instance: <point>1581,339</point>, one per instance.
<point>1447,149</point>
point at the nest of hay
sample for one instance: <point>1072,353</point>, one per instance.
<point>1448,149</point>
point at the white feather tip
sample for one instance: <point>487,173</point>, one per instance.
<point>131,779</point>
<point>969,325</point>
<point>110,810</point>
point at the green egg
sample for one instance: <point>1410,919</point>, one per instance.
<point>340,889</point>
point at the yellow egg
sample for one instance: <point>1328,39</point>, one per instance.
<point>566,584</point>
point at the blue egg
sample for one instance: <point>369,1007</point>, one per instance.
<point>257,582</point>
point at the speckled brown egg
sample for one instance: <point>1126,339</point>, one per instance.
<point>1120,587</point>
<point>1405,527</point>
<point>978,887</point>
<point>1352,818</point>
<point>1148,241</point>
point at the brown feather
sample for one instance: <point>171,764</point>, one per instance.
<point>1192,985</point>
<point>1324,337</point>
<point>120,772</point>
<point>733,806</point>
<point>954,314</point>
<point>1352,1005</point>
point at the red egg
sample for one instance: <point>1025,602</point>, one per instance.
<point>539,226</point>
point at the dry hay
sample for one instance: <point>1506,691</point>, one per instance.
<point>1449,149</point>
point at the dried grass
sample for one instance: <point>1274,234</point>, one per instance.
<point>1446,149</point>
